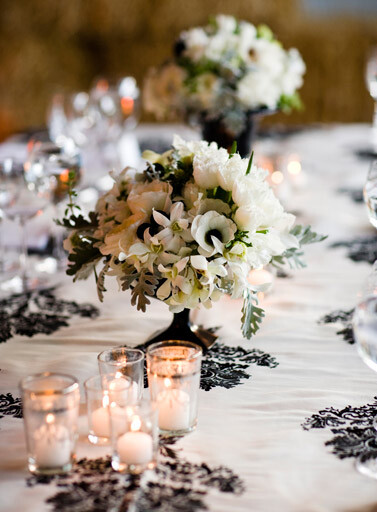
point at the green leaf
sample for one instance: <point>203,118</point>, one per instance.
<point>146,286</point>
<point>250,163</point>
<point>293,256</point>
<point>79,222</point>
<point>252,315</point>
<point>101,281</point>
<point>83,258</point>
<point>233,149</point>
<point>292,102</point>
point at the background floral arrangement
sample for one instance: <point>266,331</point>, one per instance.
<point>228,67</point>
<point>186,230</point>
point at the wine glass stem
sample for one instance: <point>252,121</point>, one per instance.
<point>23,255</point>
<point>374,127</point>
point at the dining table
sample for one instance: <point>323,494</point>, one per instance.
<point>283,417</point>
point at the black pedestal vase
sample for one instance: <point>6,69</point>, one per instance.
<point>182,329</point>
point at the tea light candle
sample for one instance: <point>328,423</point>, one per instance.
<point>129,394</point>
<point>53,446</point>
<point>101,418</point>
<point>135,447</point>
<point>173,408</point>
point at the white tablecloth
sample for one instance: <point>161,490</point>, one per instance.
<point>254,428</point>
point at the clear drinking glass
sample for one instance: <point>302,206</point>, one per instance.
<point>126,361</point>
<point>371,81</point>
<point>365,332</point>
<point>32,197</point>
<point>50,403</point>
<point>60,165</point>
<point>100,391</point>
<point>134,437</point>
<point>174,377</point>
<point>370,193</point>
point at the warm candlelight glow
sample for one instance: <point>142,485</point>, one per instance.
<point>277,177</point>
<point>167,382</point>
<point>127,105</point>
<point>294,167</point>
<point>135,424</point>
<point>50,418</point>
<point>105,401</point>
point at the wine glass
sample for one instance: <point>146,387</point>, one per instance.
<point>22,199</point>
<point>365,333</point>
<point>61,166</point>
<point>370,193</point>
<point>371,80</point>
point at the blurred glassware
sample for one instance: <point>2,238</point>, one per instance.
<point>371,80</point>
<point>365,333</point>
<point>370,193</point>
<point>102,123</point>
<point>61,165</point>
<point>23,197</point>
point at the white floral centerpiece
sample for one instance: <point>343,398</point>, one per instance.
<point>186,230</point>
<point>225,69</point>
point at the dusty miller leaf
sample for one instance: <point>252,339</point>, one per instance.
<point>101,281</point>
<point>146,286</point>
<point>252,315</point>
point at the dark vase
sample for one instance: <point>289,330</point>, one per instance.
<point>214,130</point>
<point>182,329</point>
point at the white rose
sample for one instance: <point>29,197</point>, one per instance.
<point>231,171</point>
<point>146,196</point>
<point>258,89</point>
<point>227,24</point>
<point>195,41</point>
<point>207,164</point>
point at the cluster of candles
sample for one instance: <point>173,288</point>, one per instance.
<point>118,414</point>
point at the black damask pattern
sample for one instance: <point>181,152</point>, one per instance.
<point>10,406</point>
<point>360,248</point>
<point>38,312</point>
<point>345,319</point>
<point>354,433</point>
<point>226,367</point>
<point>356,194</point>
<point>176,485</point>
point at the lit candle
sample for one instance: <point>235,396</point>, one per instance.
<point>173,408</point>
<point>53,447</point>
<point>101,418</point>
<point>135,447</point>
<point>129,394</point>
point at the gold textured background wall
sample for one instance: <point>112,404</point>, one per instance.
<point>49,45</point>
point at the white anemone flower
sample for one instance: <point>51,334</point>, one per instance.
<point>212,231</point>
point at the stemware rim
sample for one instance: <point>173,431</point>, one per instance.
<point>72,386</point>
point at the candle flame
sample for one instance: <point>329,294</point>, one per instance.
<point>105,401</point>
<point>135,424</point>
<point>118,375</point>
<point>50,418</point>
<point>167,382</point>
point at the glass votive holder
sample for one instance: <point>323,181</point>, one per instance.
<point>174,377</point>
<point>100,390</point>
<point>127,361</point>
<point>50,403</point>
<point>134,437</point>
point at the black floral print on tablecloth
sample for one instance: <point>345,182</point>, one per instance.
<point>353,433</point>
<point>10,406</point>
<point>356,194</point>
<point>360,248</point>
<point>38,312</point>
<point>344,318</point>
<point>226,367</point>
<point>176,485</point>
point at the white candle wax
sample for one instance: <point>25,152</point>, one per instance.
<point>135,448</point>
<point>53,447</point>
<point>128,394</point>
<point>101,422</point>
<point>101,426</point>
<point>173,409</point>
